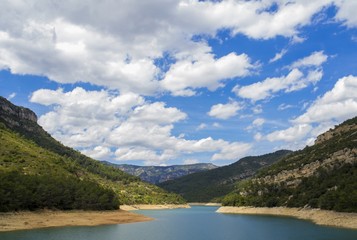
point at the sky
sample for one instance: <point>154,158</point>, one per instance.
<point>163,82</point>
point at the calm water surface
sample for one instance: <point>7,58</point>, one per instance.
<point>197,223</point>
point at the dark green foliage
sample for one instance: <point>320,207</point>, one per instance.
<point>331,190</point>
<point>212,184</point>
<point>331,187</point>
<point>32,192</point>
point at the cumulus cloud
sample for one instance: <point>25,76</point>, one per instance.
<point>291,134</point>
<point>98,152</point>
<point>339,104</point>
<point>346,13</point>
<point>124,127</point>
<point>303,72</point>
<point>94,42</point>
<point>316,59</point>
<point>186,75</point>
<point>266,88</point>
<point>335,106</point>
<point>224,111</point>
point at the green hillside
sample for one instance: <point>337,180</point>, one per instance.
<point>212,184</point>
<point>36,171</point>
<point>321,176</point>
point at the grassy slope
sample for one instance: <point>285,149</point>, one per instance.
<point>210,185</point>
<point>330,186</point>
<point>27,148</point>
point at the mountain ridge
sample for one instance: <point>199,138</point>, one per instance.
<point>209,185</point>
<point>159,174</point>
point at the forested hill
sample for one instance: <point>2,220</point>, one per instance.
<point>36,171</point>
<point>159,174</point>
<point>209,185</point>
<point>321,176</point>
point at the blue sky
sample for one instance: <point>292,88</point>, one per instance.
<point>170,82</point>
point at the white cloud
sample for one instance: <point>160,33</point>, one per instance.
<point>232,151</point>
<point>251,18</point>
<point>291,134</point>
<point>186,75</point>
<point>156,113</point>
<point>284,106</point>
<point>278,56</point>
<point>201,126</point>
<point>224,111</point>
<point>335,106</point>
<point>258,137</point>
<point>316,59</point>
<point>94,42</point>
<point>216,125</point>
<point>99,152</point>
<point>266,88</point>
<point>257,109</point>
<point>11,96</point>
<point>258,122</point>
<point>123,127</point>
<point>346,13</point>
<point>303,72</point>
<point>340,103</point>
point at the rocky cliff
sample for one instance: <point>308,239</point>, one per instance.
<point>13,115</point>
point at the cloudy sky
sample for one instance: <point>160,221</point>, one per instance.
<point>163,82</point>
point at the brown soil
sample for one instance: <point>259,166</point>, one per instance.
<point>42,219</point>
<point>321,217</point>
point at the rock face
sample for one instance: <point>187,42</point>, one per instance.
<point>335,132</point>
<point>13,114</point>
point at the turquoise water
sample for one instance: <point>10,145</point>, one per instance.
<point>197,223</point>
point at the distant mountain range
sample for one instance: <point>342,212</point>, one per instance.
<point>159,174</point>
<point>320,176</point>
<point>37,172</point>
<point>212,184</point>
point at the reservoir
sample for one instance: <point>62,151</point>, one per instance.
<point>196,223</point>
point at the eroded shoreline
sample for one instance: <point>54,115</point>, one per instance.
<point>44,219</point>
<point>320,217</point>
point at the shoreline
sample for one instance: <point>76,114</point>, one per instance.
<point>135,207</point>
<point>320,217</point>
<point>27,220</point>
<point>205,204</point>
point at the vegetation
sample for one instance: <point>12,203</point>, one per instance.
<point>32,192</point>
<point>213,184</point>
<point>331,184</point>
<point>31,159</point>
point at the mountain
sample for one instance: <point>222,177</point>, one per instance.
<point>159,174</point>
<point>320,176</point>
<point>209,185</point>
<point>36,171</point>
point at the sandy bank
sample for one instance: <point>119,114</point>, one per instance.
<point>43,219</point>
<point>152,207</point>
<point>321,217</point>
